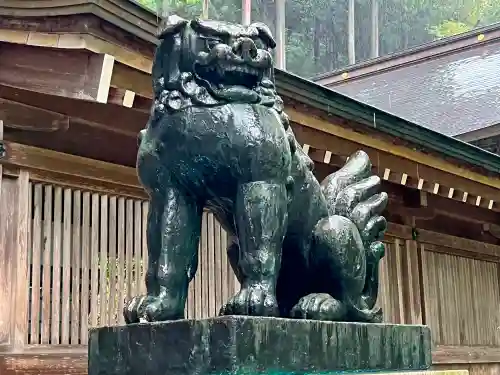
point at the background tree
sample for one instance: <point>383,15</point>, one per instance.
<point>316,30</point>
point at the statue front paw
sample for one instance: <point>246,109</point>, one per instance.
<point>151,309</point>
<point>252,300</point>
<point>319,306</point>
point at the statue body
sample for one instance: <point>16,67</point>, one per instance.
<point>218,139</point>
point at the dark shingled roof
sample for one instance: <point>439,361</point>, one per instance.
<point>451,94</point>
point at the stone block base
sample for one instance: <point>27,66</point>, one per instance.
<point>250,345</point>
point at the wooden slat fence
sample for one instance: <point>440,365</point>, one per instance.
<point>88,254</point>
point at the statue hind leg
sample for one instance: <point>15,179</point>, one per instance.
<point>347,247</point>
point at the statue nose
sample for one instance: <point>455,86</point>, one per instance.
<point>245,47</point>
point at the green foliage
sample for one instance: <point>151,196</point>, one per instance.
<point>316,30</point>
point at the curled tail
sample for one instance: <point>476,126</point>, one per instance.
<point>353,192</point>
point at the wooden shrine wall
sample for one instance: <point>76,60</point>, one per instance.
<point>70,255</point>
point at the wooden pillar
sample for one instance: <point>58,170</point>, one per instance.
<point>351,41</point>
<point>14,276</point>
<point>280,34</point>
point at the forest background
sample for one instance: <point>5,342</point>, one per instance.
<point>317,30</point>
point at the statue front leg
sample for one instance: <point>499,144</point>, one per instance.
<point>173,234</point>
<point>261,219</point>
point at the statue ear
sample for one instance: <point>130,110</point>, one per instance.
<point>171,25</point>
<point>265,34</point>
<point>166,62</point>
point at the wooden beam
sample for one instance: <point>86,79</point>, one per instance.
<point>113,118</point>
<point>444,243</point>
<point>386,154</point>
<point>448,354</point>
<point>78,41</point>
<point>126,77</point>
<point>104,64</point>
<point>76,74</point>
<point>24,117</point>
<point>50,165</point>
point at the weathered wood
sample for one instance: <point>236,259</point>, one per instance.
<point>76,267</point>
<point>111,271</point>
<point>56,266</point>
<point>47,264</point>
<point>129,246</point>
<point>103,261</point>
<point>86,267</point>
<point>120,281</point>
<point>66,268</point>
<point>25,117</point>
<point>77,74</point>
<point>20,247</point>
<point>8,224</point>
<point>325,135</point>
<point>49,164</point>
<point>94,265</point>
<point>448,244</point>
<point>36,257</point>
<point>465,354</point>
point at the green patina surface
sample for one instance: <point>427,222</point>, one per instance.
<point>254,345</point>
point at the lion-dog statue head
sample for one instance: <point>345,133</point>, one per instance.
<point>209,63</point>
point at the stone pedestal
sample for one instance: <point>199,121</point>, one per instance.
<point>247,345</point>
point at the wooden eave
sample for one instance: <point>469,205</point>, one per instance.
<point>115,106</point>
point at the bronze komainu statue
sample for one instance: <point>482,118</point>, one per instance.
<point>218,138</point>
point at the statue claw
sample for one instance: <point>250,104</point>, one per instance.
<point>253,301</point>
<point>150,309</point>
<point>319,306</point>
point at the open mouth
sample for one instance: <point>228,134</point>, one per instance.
<point>231,75</point>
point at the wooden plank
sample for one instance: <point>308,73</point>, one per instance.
<point>112,272</point>
<point>446,169</point>
<point>129,247</point>
<point>412,269</point>
<point>120,281</point>
<point>137,246</point>
<point>104,65</point>
<point>103,262</point>
<point>20,304</point>
<point>66,268</point>
<point>86,262</point>
<point>128,78</point>
<point>211,287</point>
<point>47,263</point>
<point>76,267</point>
<point>204,274</point>
<point>445,354</point>
<point>7,256</point>
<point>448,244</point>
<point>38,159</point>
<point>144,249</point>
<point>55,337</point>
<point>94,257</point>
<point>36,265</point>
<point>218,249</point>
<point>24,117</point>
<point>224,268</point>
<point>76,74</point>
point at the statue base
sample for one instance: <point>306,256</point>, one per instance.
<point>249,345</point>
